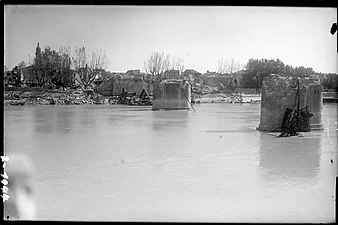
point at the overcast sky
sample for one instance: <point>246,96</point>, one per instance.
<point>200,35</point>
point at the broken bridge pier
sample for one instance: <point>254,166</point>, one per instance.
<point>282,91</point>
<point>171,95</point>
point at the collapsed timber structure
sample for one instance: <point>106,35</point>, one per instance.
<point>290,104</point>
<point>171,94</point>
<point>130,98</point>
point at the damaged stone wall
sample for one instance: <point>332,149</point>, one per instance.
<point>131,85</point>
<point>171,94</point>
<point>279,93</point>
<point>106,87</point>
<point>113,86</point>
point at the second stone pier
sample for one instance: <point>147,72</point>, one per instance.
<point>171,95</point>
<point>280,92</point>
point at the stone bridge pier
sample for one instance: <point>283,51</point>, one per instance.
<point>171,94</point>
<point>279,92</point>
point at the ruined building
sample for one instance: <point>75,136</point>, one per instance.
<point>114,86</point>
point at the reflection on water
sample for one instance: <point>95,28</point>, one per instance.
<point>164,120</point>
<point>41,119</point>
<point>290,157</point>
<point>164,123</point>
<point>49,121</point>
<point>62,120</point>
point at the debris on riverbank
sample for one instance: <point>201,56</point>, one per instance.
<point>52,97</point>
<point>208,94</point>
<point>81,97</point>
<point>225,98</point>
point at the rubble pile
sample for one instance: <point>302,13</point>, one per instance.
<point>204,89</point>
<point>219,98</point>
<point>71,97</point>
<point>220,94</point>
<point>48,97</point>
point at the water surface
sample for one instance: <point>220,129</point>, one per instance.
<point>125,163</point>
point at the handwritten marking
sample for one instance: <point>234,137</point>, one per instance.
<point>4,181</point>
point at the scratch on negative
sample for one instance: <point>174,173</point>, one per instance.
<point>328,129</point>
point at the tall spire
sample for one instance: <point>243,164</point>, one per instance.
<point>38,53</point>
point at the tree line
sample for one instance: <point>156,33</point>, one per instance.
<point>257,69</point>
<point>254,71</point>
<point>61,67</point>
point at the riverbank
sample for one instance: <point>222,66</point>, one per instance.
<point>54,97</point>
<point>39,96</point>
<point>227,98</point>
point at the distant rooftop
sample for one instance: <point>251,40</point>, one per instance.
<point>191,71</point>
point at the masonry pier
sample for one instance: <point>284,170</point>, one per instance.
<point>280,92</point>
<point>171,95</point>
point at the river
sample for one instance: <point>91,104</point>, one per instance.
<point>127,163</point>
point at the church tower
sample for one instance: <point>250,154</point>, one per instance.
<point>38,54</point>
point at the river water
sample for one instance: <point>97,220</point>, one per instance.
<point>127,163</point>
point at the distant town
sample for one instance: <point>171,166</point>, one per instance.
<point>62,70</point>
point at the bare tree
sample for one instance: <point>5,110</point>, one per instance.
<point>158,63</point>
<point>178,64</point>
<point>98,60</point>
<point>88,67</point>
<point>154,64</point>
<point>166,63</point>
<point>228,66</point>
